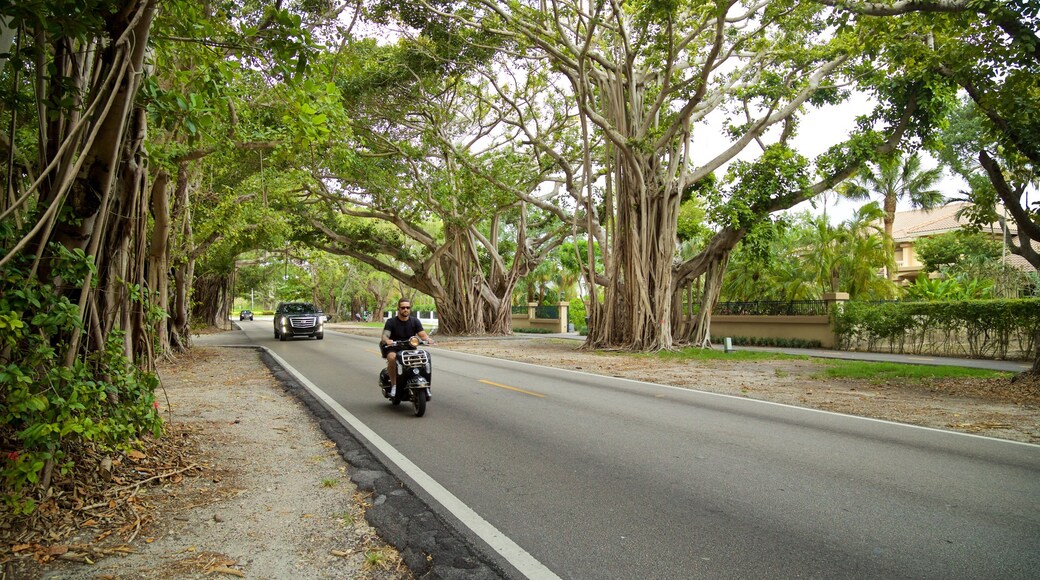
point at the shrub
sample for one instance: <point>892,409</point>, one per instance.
<point>576,312</point>
<point>976,328</point>
<point>47,407</point>
<point>778,342</point>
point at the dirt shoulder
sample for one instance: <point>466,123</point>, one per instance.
<point>245,485</point>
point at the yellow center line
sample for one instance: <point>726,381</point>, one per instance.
<point>373,351</point>
<point>512,389</point>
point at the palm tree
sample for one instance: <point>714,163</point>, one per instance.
<point>823,249</point>
<point>846,257</point>
<point>864,253</point>
<point>893,179</point>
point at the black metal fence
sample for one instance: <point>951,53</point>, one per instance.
<point>547,312</point>
<point>794,308</point>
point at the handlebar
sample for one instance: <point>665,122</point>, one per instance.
<point>413,342</point>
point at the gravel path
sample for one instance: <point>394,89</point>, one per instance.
<point>273,498</point>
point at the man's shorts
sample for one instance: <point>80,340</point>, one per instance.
<point>384,349</point>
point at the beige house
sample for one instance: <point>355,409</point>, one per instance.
<point>911,225</point>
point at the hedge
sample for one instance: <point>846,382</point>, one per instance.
<point>774,341</point>
<point>974,328</point>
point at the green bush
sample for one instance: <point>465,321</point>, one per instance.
<point>576,312</point>
<point>976,328</point>
<point>533,330</point>
<point>49,408</point>
<point>777,342</point>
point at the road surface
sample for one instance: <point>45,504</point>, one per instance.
<point>596,477</point>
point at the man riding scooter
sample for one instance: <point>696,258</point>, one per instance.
<point>401,327</point>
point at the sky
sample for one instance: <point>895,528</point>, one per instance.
<point>821,129</point>
<point>833,124</point>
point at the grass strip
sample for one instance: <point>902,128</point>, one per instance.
<point>836,368</point>
<point>887,371</point>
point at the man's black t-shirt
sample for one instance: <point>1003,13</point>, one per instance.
<point>401,329</point>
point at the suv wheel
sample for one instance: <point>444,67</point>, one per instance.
<point>319,335</point>
<point>282,337</point>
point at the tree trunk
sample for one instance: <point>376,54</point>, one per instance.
<point>184,266</point>
<point>1036,356</point>
<point>890,247</point>
<point>700,333</point>
<point>469,300</point>
<point>499,318</point>
<point>91,196</point>
<point>158,256</point>
<point>638,298</point>
<point>709,265</point>
<point>212,295</point>
<point>102,159</point>
<point>459,304</point>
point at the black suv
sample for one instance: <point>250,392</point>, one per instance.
<point>298,319</point>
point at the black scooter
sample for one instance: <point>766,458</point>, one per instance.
<point>414,374</point>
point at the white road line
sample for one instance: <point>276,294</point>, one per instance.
<point>507,548</point>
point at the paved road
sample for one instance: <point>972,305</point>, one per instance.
<point>607,478</point>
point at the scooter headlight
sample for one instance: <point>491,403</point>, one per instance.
<point>413,341</point>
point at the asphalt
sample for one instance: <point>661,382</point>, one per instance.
<point>406,521</point>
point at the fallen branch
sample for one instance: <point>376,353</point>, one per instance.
<point>134,485</point>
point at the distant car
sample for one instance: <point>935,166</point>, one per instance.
<point>298,319</point>
<point>245,315</point>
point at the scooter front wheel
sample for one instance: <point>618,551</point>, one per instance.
<point>419,400</point>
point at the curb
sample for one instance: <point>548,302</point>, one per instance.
<point>429,546</point>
